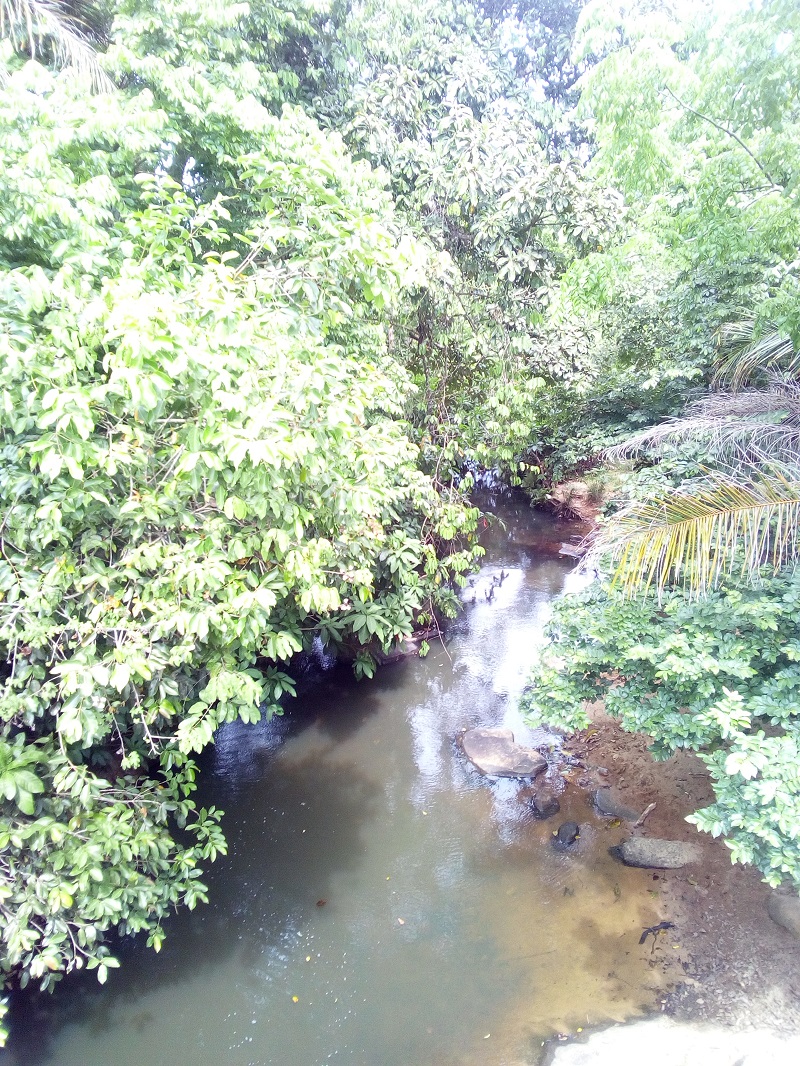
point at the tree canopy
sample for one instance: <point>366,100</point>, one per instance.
<point>690,637</point>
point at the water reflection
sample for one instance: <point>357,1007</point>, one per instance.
<point>381,903</point>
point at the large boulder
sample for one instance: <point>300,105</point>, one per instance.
<point>785,910</point>
<point>495,753</point>
<point>657,854</point>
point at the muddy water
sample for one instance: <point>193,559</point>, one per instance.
<point>382,905</point>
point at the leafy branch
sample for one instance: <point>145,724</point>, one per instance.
<point>729,133</point>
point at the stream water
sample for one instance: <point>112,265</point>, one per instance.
<point>382,904</point>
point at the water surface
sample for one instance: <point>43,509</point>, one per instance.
<point>381,903</point>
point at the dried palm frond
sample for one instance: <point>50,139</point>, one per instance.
<point>781,395</point>
<point>696,536</point>
<point>29,23</point>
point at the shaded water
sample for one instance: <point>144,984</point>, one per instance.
<point>382,903</point>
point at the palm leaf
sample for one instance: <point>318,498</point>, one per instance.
<point>696,537</point>
<point>746,356</point>
<point>29,23</point>
<point>781,395</point>
<point>755,426</point>
<point>730,439</point>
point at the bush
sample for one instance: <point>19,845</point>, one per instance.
<point>719,676</point>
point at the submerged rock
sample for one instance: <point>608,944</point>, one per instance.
<point>657,854</point>
<point>785,911</point>
<point>567,834</point>
<point>607,803</point>
<point>574,551</point>
<point>544,804</point>
<point>495,753</point>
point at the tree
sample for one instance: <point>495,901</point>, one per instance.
<point>204,467</point>
<point>466,109</point>
<point>733,201</point>
<point>745,511</point>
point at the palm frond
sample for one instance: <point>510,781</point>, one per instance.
<point>694,538</point>
<point>743,440</point>
<point>755,426</point>
<point>745,356</point>
<point>779,396</point>
<point>30,23</point>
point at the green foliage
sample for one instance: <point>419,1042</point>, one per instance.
<point>693,122</point>
<point>467,114</point>
<point>262,302</point>
<point>719,677</point>
<point>739,515</point>
<point>204,465</point>
<point>686,118</point>
<point>712,104</point>
<point>57,30</point>
<point>705,531</point>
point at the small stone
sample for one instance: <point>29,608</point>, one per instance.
<point>785,911</point>
<point>495,753</point>
<point>657,854</point>
<point>567,834</point>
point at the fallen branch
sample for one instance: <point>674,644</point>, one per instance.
<point>647,811</point>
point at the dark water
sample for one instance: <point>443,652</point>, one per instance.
<point>381,903</point>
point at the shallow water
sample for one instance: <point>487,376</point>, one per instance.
<point>414,909</point>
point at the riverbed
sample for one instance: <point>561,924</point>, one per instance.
<point>382,903</point>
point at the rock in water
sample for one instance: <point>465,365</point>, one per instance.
<point>574,551</point>
<point>496,754</point>
<point>567,834</point>
<point>544,804</point>
<point>785,910</point>
<point>657,854</point>
<point>662,1042</point>
<point>606,803</point>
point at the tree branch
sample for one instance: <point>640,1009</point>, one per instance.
<point>729,133</point>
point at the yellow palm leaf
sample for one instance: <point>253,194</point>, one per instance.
<point>695,537</point>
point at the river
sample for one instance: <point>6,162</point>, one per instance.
<point>381,904</point>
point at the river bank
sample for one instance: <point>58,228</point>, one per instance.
<point>726,960</point>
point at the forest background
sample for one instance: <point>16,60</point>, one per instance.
<point>277,280</point>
